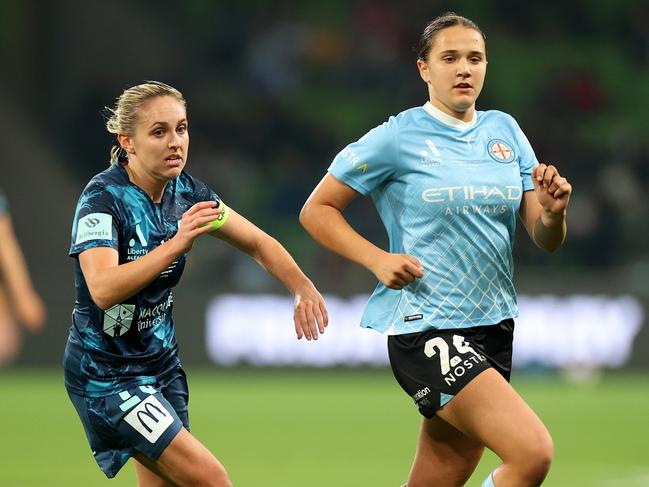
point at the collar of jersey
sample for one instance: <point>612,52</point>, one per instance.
<point>446,119</point>
<point>124,174</point>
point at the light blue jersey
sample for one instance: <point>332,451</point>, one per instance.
<point>448,193</point>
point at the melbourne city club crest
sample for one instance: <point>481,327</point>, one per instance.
<point>500,151</point>
<point>118,319</point>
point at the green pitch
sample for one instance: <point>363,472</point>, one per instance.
<point>324,429</point>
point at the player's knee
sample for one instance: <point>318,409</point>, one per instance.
<point>543,460</point>
<point>535,464</point>
<point>461,470</point>
<point>450,473</point>
<point>219,478</point>
<point>214,476</point>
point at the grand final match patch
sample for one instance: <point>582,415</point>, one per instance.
<point>500,151</point>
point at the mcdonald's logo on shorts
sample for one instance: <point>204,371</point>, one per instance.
<point>150,419</point>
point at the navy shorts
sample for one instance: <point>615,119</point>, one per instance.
<point>432,366</point>
<point>143,418</point>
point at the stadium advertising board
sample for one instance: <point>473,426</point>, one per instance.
<point>577,332</point>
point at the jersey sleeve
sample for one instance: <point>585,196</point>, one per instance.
<point>367,163</point>
<point>202,192</point>
<point>194,190</point>
<point>527,160</point>
<point>197,191</point>
<point>96,220</point>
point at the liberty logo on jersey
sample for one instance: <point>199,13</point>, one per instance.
<point>141,239</point>
<point>500,151</point>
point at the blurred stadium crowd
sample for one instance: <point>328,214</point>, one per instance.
<point>276,89</point>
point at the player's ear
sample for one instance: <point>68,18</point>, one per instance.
<point>422,66</point>
<point>126,143</point>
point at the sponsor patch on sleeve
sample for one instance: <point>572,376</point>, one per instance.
<point>94,226</point>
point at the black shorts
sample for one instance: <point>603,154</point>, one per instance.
<point>432,366</point>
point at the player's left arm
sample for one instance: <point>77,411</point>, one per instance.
<point>543,211</point>
<point>310,312</point>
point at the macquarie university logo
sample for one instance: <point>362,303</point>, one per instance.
<point>118,319</point>
<point>500,151</point>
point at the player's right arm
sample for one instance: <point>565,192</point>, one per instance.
<point>110,283</point>
<point>15,277</point>
<point>322,217</point>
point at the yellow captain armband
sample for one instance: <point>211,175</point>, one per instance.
<point>222,218</point>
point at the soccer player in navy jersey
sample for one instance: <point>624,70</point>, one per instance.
<point>448,182</point>
<point>134,224</point>
<point>19,301</point>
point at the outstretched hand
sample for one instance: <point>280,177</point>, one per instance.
<point>552,190</point>
<point>310,312</point>
<point>30,311</point>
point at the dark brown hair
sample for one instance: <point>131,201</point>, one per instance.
<point>447,19</point>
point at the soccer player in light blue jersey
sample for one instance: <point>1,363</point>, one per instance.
<point>449,182</point>
<point>133,228</point>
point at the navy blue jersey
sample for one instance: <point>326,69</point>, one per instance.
<point>132,342</point>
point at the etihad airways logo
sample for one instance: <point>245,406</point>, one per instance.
<point>459,194</point>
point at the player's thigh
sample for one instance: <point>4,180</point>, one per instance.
<point>433,367</point>
<point>489,410</point>
<point>186,462</point>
